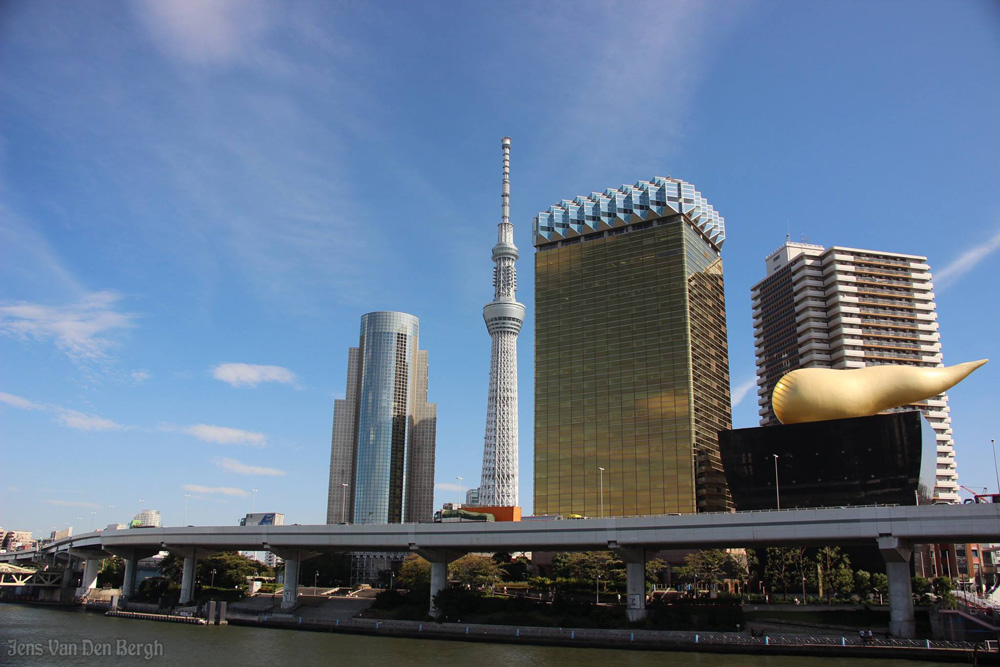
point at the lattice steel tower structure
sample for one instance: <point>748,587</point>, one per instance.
<point>504,316</point>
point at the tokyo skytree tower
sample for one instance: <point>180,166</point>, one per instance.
<point>504,316</point>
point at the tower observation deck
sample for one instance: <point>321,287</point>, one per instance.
<point>504,316</point>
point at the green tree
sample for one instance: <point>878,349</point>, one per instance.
<point>415,573</point>
<point>514,568</point>
<point>475,571</point>
<point>112,574</point>
<point>943,586</point>
<point>709,566</point>
<point>836,572</point>
<point>654,571</point>
<point>880,584</point>
<point>778,573</point>
<point>231,569</point>
<point>588,566</point>
<point>922,588</point>
<point>863,584</point>
<point>804,569</point>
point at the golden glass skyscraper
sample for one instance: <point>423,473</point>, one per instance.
<point>631,358</point>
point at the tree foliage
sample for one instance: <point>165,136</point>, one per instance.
<point>415,573</point>
<point>475,571</point>
<point>710,567</point>
<point>231,569</point>
<point>835,570</point>
<point>587,567</point>
<point>112,574</point>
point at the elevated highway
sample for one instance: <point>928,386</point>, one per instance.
<point>893,529</point>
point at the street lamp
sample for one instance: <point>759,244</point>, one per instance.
<point>316,579</point>
<point>993,446</point>
<point>460,491</point>
<point>213,577</point>
<point>186,497</point>
<point>602,490</point>
<point>597,589</point>
<point>92,515</point>
<point>253,503</point>
<point>343,502</point>
<point>777,494</point>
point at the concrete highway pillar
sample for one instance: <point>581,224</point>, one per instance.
<point>188,579</point>
<point>91,566</point>
<point>439,559</point>
<point>439,581</point>
<point>635,569</point>
<point>897,567</point>
<point>128,585</point>
<point>291,591</point>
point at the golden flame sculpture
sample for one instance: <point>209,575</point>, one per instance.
<point>819,394</point>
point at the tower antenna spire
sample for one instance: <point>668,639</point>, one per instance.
<point>504,317</point>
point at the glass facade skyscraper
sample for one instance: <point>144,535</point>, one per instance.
<point>631,358</point>
<point>382,457</point>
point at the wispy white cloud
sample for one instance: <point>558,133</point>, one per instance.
<point>967,261</point>
<point>232,465</point>
<point>71,503</point>
<point>250,375</point>
<point>203,31</point>
<point>140,375</point>
<point>224,490</point>
<point>81,330</point>
<point>71,418</point>
<point>18,402</point>
<point>449,486</point>
<point>740,392</point>
<point>222,435</point>
<point>84,422</point>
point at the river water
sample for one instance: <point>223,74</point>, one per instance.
<point>50,636</point>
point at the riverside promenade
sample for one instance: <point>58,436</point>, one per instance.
<point>827,645</point>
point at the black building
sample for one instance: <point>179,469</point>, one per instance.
<point>879,460</point>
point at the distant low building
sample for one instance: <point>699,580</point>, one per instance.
<point>146,519</point>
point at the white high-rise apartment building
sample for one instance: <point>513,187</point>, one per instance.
<point>848,308</point>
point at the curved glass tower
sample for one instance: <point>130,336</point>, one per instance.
<point>382,459</point>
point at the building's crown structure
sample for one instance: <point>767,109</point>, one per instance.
<point>629,205</point>
<point>504,316</point>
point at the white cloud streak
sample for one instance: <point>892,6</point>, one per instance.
<point>224,490</point>
<point>84,422</point>
<point>71,503</point>
<point>232,465</point>
<point>19,403</point>
<point>70,418</point>
<point>80,330</point>
<point>203,32</point>
<point>740,392</point>
<point>450,486</point>
<point>967,261</point>
<point>250,375</point>
<point>222,435</point>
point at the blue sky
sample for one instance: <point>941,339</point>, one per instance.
<point>199,200</point>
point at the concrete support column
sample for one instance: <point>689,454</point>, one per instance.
<point>128,585</point>
<point>439,581</point>
<point>291,591</point>
<point>635,569</point>
<point>188,579</point>
<point>897,567</point>
<point>91,566</point>
<point>439,560</point>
